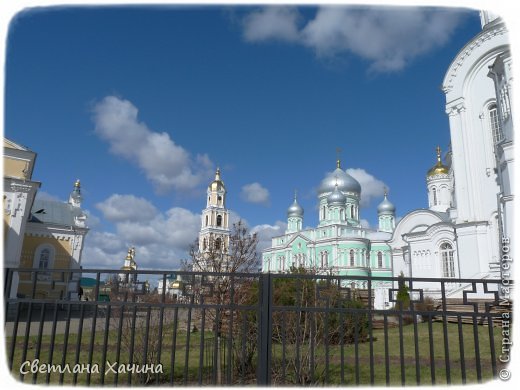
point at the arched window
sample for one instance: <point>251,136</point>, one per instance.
<point>44,260</point>
<point>204,244</point>
<point>448,264</point>
<point>380,259</point>
<point>219,220</point>
<point>494,123</point>
<point>323,214</point>
<point>434,192</point>
<point>218,243</point>
<point>352,212</point>
<point>341,216</point>
<point>206,220</point>
<point>352,259</point>
<point>324,259</point>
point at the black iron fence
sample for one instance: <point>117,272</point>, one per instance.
<point>268,329</point>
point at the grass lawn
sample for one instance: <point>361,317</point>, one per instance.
<point>192,365</point>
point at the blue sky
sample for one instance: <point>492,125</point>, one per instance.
<point>142,104</point>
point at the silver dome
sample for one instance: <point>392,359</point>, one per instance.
<point>386,207</point>
<point>336,197</point>
<point>346,183</point>
<point>295,210</point>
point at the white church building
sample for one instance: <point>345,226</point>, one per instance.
<point>470,200</point>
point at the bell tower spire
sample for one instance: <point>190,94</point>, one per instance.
<point>214,233</point>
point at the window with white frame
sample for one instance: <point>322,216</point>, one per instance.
<point>379,259</point>
<point>448,264</point>
<point>352,259</point>
<point>494,123</point>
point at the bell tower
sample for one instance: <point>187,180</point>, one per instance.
<point>214,233</point>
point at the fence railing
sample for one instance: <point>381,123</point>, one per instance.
<point>268,329</point>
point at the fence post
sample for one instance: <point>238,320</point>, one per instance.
<point>264,331</point>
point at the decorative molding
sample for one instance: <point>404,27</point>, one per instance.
<point>20,187</point>
<point>455,109</point>
<point>484,36</point>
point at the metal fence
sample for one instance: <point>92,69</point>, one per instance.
<point>266,329</point>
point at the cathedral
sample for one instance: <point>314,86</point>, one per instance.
<point>470,198</point>
<point>460,234</point>
<point>339,245</point>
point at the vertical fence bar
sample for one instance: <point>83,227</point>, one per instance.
<point>201,352</point>
<point>432,352</point>
<point>132,339</point>
<point>356,347</point>
<point>415,338</point>
<point>342,347</point>
<point>29,322</point>
<point>492,345</point>
<point>370,332</point>
<point>93,331</point>
<point>264,331</point>
<point>244,336</point>
<point>66,341</point>
<point>39,340</point>
<point>53,337</point>
<point>7,291</point>
<point>216,346</point>
<point>477,348</point>
<point>461,350</point>
<point>105,345</point>
<point>313,345</point>
<point>387,360</point>
<point>78,342</point>
<point>146,335</point>
<point>174,344</point>
<point>119,335</point>
<point>160,338</point>
<point>188,328</point>
<point>299,291</point>
<point>14,336</point>
<point>445,333</point>
<point>401,344</point>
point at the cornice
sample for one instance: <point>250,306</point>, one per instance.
<point>484,35</point>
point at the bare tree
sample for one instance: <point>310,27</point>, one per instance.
<point>222,288</point>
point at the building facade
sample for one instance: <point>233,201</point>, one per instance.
<point>470,196</point>
<point>339,245</point>
<point>40,233</point>
<point>460,234</point>
<point>214,235</point>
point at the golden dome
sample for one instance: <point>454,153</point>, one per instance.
<point>217,184</point>
<point>439,168</point>
<point>77,184</point>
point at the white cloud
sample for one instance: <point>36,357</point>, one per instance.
<point>266,232</point>
<point>255,193</point>
<point>161,239</point>
<point>42,195</point>
<point>371,187</point>
<point>388,38</point>
<point>126,208</point>
<point>278,23</point>
<point>167,165</point>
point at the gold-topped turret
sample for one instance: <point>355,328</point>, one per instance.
<point>439,168</point>
<point>77,184</point>
<point>217,184</point>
